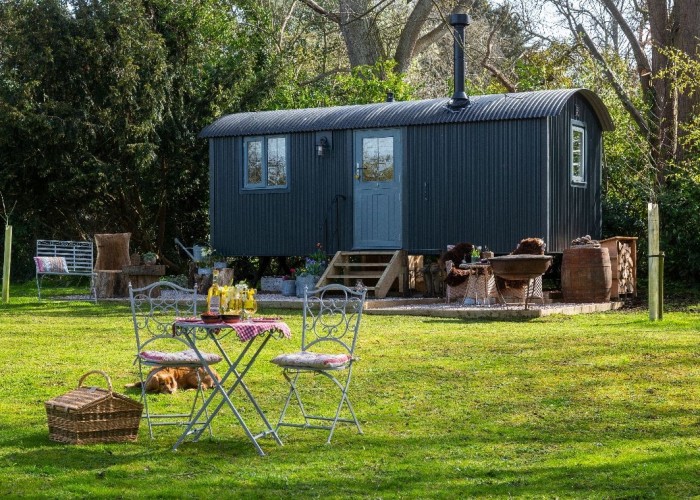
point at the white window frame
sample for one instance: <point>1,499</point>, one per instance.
<point>578,179</point>
<point>262,185</point>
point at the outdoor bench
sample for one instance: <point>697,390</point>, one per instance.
<point>64,258</point>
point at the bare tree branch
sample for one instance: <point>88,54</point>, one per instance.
<point>621,94</point>
<point>643,65</point>
<point>283,27</point>
<point>320,10</point>
<point>485,63</point>
<point>5,213</point>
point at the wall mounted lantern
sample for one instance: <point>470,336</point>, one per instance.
<point>323,147</point>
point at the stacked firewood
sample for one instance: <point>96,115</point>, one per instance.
<point>586,241</point>
<point>625,267</point>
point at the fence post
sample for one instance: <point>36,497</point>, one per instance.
<point>6,265</point>
<point>655,264</point>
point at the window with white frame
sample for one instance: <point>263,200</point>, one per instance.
<point>578,153</point>
<point>265,163</point>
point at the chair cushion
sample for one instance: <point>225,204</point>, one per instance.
<point>51,265</point>
<point>188,357</point>
<point>305,359</point>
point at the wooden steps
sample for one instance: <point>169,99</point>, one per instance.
<point>378,270</point>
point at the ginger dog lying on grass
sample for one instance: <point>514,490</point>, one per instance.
<point>169,380</point>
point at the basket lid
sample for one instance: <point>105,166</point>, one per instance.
<point>84,398</point>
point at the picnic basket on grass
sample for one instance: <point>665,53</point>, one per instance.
<point>93,415</point>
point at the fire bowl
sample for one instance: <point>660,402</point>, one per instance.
<point>520,267</point>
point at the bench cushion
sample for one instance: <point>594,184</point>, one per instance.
<point>51,265</point>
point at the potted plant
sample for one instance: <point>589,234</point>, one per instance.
<point>206,261</point>
<point>313,269</point>
<point>289,286</point>
<point>150,258</point>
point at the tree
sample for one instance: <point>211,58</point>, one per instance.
<point>641,33</point>
<point>100,105</point>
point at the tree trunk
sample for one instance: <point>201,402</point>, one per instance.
<point>687,40</point>
<point>360,32</point>
<point>110,284</point>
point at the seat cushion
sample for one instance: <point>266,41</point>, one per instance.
<point>56,265</point>
<point>188,357</point>
<point>306,359</point>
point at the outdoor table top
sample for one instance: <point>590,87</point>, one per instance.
<point>245,330</point>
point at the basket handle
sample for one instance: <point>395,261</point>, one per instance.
<point>98,372</point>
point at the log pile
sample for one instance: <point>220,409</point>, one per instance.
<point>625,267</point>
<point>623,260</point>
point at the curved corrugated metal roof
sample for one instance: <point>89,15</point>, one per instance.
<point>521,105</point>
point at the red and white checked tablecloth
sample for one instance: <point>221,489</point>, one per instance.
<point>245,330</point>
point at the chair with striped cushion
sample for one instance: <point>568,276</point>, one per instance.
<point>331,323</point>
<point>154,308</point>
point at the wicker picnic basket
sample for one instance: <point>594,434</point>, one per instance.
<point>93,415</point>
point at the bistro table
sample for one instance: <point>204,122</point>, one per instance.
<point>246,333</point>
<point>481,281</point>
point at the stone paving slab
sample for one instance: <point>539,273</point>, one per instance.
<point>495,312</point>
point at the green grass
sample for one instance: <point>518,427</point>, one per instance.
<point>594,406</point>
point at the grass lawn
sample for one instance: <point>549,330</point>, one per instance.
<point>595,406</point>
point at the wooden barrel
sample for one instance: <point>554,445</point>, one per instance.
<point>586,275</point>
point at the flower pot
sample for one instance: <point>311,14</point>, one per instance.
<point>289,288</point>
<point>271,283</point>
<point>149,261</point>
<point>305,282</point>
<point>204,271</point>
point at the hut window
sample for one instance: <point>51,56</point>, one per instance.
<point>578,154</point>
<point>265,162</point>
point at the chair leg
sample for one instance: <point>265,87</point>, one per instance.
<point>332,421</point>
<point>293,391</point>
<point>343,399</point>
<point>144,400</point>
<point>151,419</point>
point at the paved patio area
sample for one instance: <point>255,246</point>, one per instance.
<point>436,307</point>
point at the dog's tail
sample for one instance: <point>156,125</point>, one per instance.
<point>137,385</point>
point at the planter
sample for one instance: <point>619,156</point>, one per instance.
<point>520,267</point>
<point>289,288</point>
<point>271,283</point>
<point>304,283</point>
<point>204,271</point>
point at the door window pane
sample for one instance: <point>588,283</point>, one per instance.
<point>378,159</point>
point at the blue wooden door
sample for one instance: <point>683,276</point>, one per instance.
<point>377,189</point>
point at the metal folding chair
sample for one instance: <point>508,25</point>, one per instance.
<point>331,323</point>
<point>154,309</point>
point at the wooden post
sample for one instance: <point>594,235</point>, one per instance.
<point>655,262</point>
<point>6,265</point>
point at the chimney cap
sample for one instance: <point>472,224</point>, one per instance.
<point>460,19</point>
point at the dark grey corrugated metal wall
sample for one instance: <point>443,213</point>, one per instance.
<point>483,182</point>
<point>575,211</point>
<point>281,223</point>
<point>478,182</point>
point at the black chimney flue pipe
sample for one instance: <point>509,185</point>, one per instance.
<point>459,22</point>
